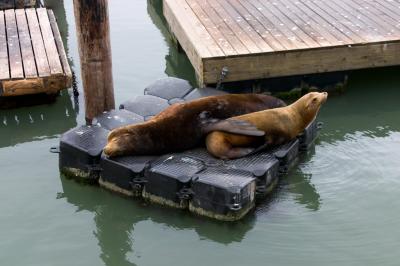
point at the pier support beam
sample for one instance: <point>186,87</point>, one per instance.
<point>93,31</point>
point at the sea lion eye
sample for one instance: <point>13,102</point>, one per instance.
<point>314,100</point>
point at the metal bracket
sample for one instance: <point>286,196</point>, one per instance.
<point>55,149</point>
<point>185,194</point>
<point>224,73</point>
<point>137,184</point>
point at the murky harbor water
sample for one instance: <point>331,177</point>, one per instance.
<point>338,207</point>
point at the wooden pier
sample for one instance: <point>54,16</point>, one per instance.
<point>32,55</point>
<point>257,39</point>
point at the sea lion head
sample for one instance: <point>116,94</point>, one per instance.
<point>120,142</point>
<point>308,105</point>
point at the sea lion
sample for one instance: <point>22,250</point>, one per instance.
<point>280,125</point>
<point>183,125</point>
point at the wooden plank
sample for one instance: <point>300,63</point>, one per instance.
<point>371,17</point>
<point>321,30</point>
<point>236,27</point>
<point>245,26</point>
<point>60,47</point>
<point>270,26</point>
<point>37,43</point>
<point>387,23</point>
<point>14,53</point>
<point>223,27</point>
<point>288,23</point>
<point>314,30</point>
<point>191,44</point>
<point>189,28</point>
<point>49,85</point>
<point>219,38</point>
<point>307,61</point>
<point>262,31</point>
<point>4,67</point>
<point>344,33</point>
<point>346,17</point>
<point>28,58</point>
<point>389,9</point>
<point>51,49</point>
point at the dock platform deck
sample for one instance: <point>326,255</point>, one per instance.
<point>259,39</point>
<point>32,55</point>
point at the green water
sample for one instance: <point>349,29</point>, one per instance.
<point>338,207</point>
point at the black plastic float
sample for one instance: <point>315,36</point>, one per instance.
<point>193,180</point>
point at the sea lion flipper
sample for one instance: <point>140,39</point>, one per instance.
<point>233,126</point>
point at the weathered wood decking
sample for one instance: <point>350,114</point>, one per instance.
<point>259,39</point>
<point>6,4</point>
<point>32,56</point>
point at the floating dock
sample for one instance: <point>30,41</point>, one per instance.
<point>192,180</point>
<point>257,39</point>
<point>32,55</point>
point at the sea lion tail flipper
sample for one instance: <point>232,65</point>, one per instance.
<point>234,126</point>
<point>220,147</point>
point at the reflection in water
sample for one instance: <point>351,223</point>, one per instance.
<point>299,184</point>
<point>31,123</point>
<point>116,217</point>
<point>177,63</point>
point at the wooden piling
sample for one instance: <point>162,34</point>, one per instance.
<point>93,33</point>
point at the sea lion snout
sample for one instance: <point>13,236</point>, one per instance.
<point>324,96</point>
<point>112,148</point>
<point>117,144</point>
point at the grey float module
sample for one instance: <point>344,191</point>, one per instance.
<point>193,179</point>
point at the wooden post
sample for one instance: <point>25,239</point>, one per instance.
<point>93,31</point>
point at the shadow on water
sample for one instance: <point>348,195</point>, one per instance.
<point>116,217</point>
<point>299,184</point>
<point>177,63</point>
<point>32,123</point>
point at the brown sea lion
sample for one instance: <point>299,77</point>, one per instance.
<point>280,125</point>
<point>183,125</point>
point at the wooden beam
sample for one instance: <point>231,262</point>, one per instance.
<point>48,85</point>
<point>93,31</point>
<point>26,46</point>
<point>14,52</point>
<point>37,43</point>
<point>49,43</point>
<point>289,63</point>
<point>60,48</point>
<point>4,67</point>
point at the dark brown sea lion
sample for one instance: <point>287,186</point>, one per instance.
<point>183,125</point>
<point>280,125</point>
